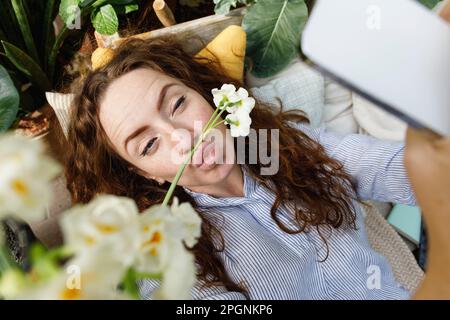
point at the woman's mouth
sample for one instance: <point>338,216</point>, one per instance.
<point>205,156</point>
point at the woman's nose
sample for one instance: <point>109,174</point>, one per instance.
<point>182,140</point>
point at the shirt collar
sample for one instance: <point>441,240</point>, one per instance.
<point>206,200</point>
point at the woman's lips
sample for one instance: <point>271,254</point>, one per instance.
<point>204,156</point>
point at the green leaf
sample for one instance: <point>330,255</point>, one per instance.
<point>9,100</point>
<point>273,30</point>
<point>130,8</point>
<point>44,265</point>
<point>49,36</point>
<point>129,284</point>
<point>24,26</point>
<point>9,24</point>
<point>126,9</point>
<point>28,66</point>
<point>68,10</point>
<point>224,6</point>
<point>105,20</point>
<point>430,3</point>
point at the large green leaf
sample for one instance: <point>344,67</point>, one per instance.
<point>273,30</point>
<point>27,65</point>
<point>68,10</point>
<point>9,100</point>
<point>8,23</point>
<point>430,3</point>
<point>48,32</point>
<point>104,20</point>
<point>24,26</point>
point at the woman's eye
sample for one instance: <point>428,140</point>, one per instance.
<point>178,104</point>
<point>148,146</point>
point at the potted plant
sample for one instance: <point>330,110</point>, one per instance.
<point>33,53</point>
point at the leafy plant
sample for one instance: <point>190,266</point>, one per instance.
<point>29,47</point>
<point>27,39</point>
<point>103,13</point>
<point>273,28</point>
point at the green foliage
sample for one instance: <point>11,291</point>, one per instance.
<point>274,28</point>
<point>103,13</point>
<point>104,20</point>
<point>29,48</point>
<point>430,3</point>
<point>224,6</point>
<point>9,100</point>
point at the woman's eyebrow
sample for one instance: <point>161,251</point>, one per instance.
<point>162,94</point>
<point>139,130</point>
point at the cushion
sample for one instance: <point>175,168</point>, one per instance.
<point>229,48</point>
<point>377,122</point>
<point>297,87</point>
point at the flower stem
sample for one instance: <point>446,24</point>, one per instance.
<point>181,169</point>
<point>209,125</point>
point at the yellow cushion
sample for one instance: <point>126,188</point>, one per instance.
<point>228,47</point>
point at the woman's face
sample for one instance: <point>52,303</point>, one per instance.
<point>152,120</point>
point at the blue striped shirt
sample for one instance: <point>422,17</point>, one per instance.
<point>277,265</point>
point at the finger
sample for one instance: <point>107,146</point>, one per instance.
<point>420,136</point>
<point>445,11</point>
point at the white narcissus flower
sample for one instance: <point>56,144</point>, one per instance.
<point>90,275</point>
<point>240,122</point>
<point>226,94</point>
<point>244,102</point>
<point>107,219</point>
<point>190,220</point>
<point>178,277</point>
<point>25,175</point>
<point>159,232</point>
<point>12,283</point>
<point>239,106</point>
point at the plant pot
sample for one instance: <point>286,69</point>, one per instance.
<point>42,124</point>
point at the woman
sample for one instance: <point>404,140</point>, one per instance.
<point>296,234</point>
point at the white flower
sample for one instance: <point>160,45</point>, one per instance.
<point>190,220</point>
<point>227,94</point>
<point>106,219</point>
<point>12,282</point>
<point>179,276</point>
<point>159,233</point>
<point>240,122</point>
<point>162,249</point>
<point>245,102</point>
<point>25,175</point>
<point>90,275</point>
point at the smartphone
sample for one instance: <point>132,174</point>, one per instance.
<point>395,53</point>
